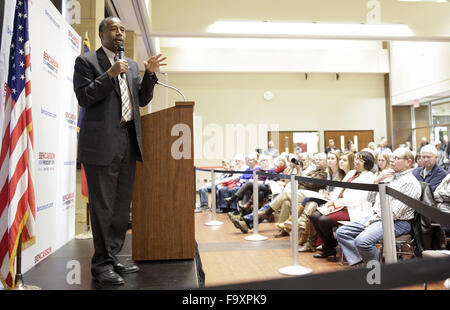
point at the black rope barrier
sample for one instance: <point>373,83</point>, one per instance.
<point>432,212</point>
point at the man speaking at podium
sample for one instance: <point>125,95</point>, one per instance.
<point>109,88</point>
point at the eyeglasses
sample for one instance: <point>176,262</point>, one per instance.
<point>397,158</point>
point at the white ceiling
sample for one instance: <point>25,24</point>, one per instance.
<point>125,9</point>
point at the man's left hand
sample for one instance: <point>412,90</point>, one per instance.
<point>154,63</point>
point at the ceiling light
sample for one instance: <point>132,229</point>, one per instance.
<point>319,29</point>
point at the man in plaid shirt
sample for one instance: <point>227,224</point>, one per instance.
<point>358,239</point>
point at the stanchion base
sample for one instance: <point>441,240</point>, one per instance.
<point>84,236</point>
<point>294,270</point>
<point>256,237</point>
<point>214,223</point>
<point>198,210</point>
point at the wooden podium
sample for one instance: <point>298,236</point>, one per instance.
<point>164,192</point>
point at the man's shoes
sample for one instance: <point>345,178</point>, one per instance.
<point>281,234</point>
<point>265,215</point>
<point>327,253</point>
<point>109,277</point>
<point>241,225</point>
<point>231,199</point>
<point>222,210</point>
<point>320,247</point>
<point>120,268</point>
<point>234,215</point>
<point>307,248</point>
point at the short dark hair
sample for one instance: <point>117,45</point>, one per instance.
<point>368,158</point>
<point>102,25</point>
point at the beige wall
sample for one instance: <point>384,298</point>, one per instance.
<point>354,102</point>
<point>425,19</point>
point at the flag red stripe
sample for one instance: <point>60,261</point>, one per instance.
<point>31,199</point>
<point>9,281</point>
<point>20,169</point>
<point>27,60</point>
<point>4,197</point>
<point>18,130</point>
<point>27,88</point>
<point>4,247</point>
<point>25,235</point>
<point>30,121</point>
<point>21,210</point>
<point>5,145</point>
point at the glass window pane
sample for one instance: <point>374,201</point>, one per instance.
<point>441,113</point>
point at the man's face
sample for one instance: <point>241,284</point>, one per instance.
<point>399,162</point>
<point>331,143</point>
<point>113,34</point>
<point>428,160</point>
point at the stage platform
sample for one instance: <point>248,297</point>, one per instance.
<point>56,271</point>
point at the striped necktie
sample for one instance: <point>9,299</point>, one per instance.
<point>127,111</point>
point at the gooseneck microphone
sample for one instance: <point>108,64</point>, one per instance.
<point>173,88</point>
<point>121,55</point>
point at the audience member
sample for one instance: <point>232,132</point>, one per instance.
<point>351,205</point>
<point>205,189</point>
<point>271,150</point>
<point>423,142</point>
<point>442,198</point>
<point>383,148</point>
<point>283,201</point>
<point>337,169</point>
<point>331,146</point>
<point>430,172</point>
<point>358,239</point>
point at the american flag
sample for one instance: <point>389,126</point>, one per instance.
<point>17,203</point>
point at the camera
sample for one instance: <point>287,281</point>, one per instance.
<point>297,162</point>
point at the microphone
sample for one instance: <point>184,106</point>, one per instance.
<point>121,55</point>
<point>171,87</point>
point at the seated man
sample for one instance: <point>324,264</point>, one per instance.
<point>222,206</point>
<point>358,239</point>
<point>283,201</point>
<point>430,172</point>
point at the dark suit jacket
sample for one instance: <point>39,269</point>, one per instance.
<point>100,96</point>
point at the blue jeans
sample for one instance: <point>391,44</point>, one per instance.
<point>223,193</point>
<point>203,193</point>
<point>358,243</point>
<point>249,217</point>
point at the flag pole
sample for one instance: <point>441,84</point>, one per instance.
<point>19,285</point>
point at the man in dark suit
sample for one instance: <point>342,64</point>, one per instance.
<point>111,92</point>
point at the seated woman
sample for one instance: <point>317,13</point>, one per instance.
<point>383,162</point>
<point>350,205</point>
<point>338,166</point>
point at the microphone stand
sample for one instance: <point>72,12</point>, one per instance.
<point>173,88</point>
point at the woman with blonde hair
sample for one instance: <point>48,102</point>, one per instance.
<point>383,161</point>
